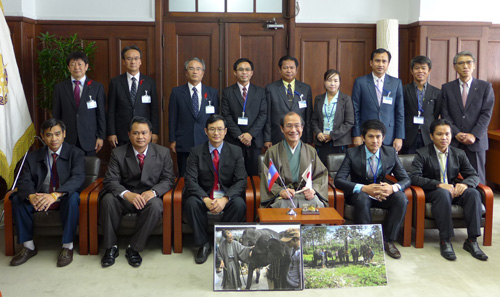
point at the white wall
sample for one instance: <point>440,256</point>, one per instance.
<point>461,10</point>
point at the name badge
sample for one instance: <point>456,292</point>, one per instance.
<point>242,121</point>
<point>209,109</point>
<point>91,104</point>
<point>418,120</point>
<point>326,131</point>
<point>387,100</point>
<point>146,98</point>
<point>302,104</point>
<point>219,194</point>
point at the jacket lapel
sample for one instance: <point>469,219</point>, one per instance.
<point>124,83</point>
<point>68,88</point>
<point>237,94</point>
<point>458,95</point>
<point>282,91</point>
<point>370,85</point>
<point>186,98</point>
<point>131,161</point>
<point>413,98</point>
<point>471,95</point>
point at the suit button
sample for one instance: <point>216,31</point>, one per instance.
<point>463,117</point>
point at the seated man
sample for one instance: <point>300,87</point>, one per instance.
<point>292,157</point>
<point>138,175</point>
<point>51,178</point>
<point>215,184</point>
<point>367,165</point>
<point>435,169</point>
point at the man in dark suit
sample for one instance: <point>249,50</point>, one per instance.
<point>379,96</point>
<point>138,175</point>
<point>361,177</point>
<point>435,169</point>
<point>244,106</point>
<point>422,105</point>
<point>80,103</point>
<point>286,95</point>
<point>131,94</point>
<point>190,106</point>
<point>468,105</point>
<point>215,184</point>
<point>51,179</point>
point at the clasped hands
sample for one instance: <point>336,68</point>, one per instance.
<point>324,137</point>
<point>456,190</point>
<point>378,191</point>
<point>246,138</point>
<point>290,193</point>
<point>139,200</point>
<point>215,206</point>
<point>466,138</point>
<point>42,201</point>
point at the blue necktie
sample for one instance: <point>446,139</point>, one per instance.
<point>195,102</point>
<point>133,90</point>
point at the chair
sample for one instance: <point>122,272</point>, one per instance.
<point>334,162</point>
<point>49,223</point>
<point>127,225</point>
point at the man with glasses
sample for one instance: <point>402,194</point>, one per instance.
<point>468,105</point>
<point>215,184</point>
<point>131,94</point>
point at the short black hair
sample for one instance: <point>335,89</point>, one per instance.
<point>214,118</point>
<point>50,123</point>
<point>285,58</point>
<point>282,120</point>
<point>130,47</point>
<point>373,124</point>
<point>439,122</point>
<point>140,120</point>
<point>241,60</point>
<point>420,60</point>
<point>225,232</point>
<point>331,72</point>
<point>77,56</point>
<point>380,51</point>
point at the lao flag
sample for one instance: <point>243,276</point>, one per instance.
<point>272,175</point>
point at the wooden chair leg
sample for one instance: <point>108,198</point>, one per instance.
<point>167,223</point>
<point>93,206</point>
<point>177,210</point>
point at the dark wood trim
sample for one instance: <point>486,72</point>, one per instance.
<point>327,25</point>
<point>290,42</point>
<point>158,54</point>
<point>445,23</point>
<point>204,17</point>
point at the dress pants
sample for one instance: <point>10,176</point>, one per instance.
<point>251,156</point>
<point>111,211</point>
<point>396,210</point>
<point>441,201</point>
<point>195,212</point>
<point>182,162</point>
<point>23,210</point>
<point>477,160</point>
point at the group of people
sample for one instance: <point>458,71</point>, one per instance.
<point>216,152</point>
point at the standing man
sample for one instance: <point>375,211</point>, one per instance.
<point>138,175</point>
<point>379,96</point>
<point>231,253</point>
<point>215,184</point>
<point>189,108</point>
<point>51,179</point>
<point>291,238</point>
<point>422,105</point>
<point>468,105</point>
<point>362,178</point>
<point>435,169</point>
<point>286,95</point>
<point>131,94</point>
<point>80,103</point>
<point>244,106</point>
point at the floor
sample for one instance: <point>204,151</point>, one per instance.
<point>420,272</point>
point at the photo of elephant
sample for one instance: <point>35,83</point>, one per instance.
<point>266,257</point>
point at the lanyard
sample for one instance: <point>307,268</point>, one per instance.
<point>445,178</point>
<point>294,93</point>
<point>382,92</point>
<point>331,112</point>
<point>376,170</point>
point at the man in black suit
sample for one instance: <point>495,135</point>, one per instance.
<point>80,103</point>
<point>367,165</point>
<point>435,169</point>
<point>51,179</point>
<point>215,184</point>
<point>286,95</point>
<point>422,105</point>
<point>189,107</point>
<point>244,106</point>
<point>468,105</point>
<point>131,94</point>
<point>138,175</point>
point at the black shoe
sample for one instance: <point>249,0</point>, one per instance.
<point>203,253</point>
<point>133,257</point>
<point>65,257</point>
<point>24,255</point>
<point>447,250</point>
<point>392,250</point>
<point>473,248</point>
<point>109,257</point>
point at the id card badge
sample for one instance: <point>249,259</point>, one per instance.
<point>302,104</point>
<point>242,121</point>
<point>326,131</point>
<point>387,100</point>
<point>91,104</point>
<point>146,98</point>
<point>209,109</point>
<point>219,194</point>
<point>418,120</point>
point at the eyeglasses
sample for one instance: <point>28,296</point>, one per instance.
<point>296,126</point>
<point>213,130</point>
<point>462,63</point>
<point>130,59</point>
<point>244,69</point>
<point>195,68</point>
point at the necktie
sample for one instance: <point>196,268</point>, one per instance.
<point>54,177</point>
<point>289,94</point>
<point>372,170</point>
<point>379,90</point>
<point>216,178</point>
<point>133,90</point>
<point>244,93</point>
<point>442,166</point>
<point>195,102</point>
<point>464,93</point>
<point>76,92</point>
<point>141,160</point>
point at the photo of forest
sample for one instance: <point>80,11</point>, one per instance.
<point>343,256</point>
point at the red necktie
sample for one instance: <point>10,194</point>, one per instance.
<point>216,167</point>
<point>141,160</point>
<point>244,94</point>
<point>77,93</point>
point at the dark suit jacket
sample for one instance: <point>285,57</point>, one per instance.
<point>365,103</point>
<point>432,110</point>
<point>124,172</point>
<point>200,173</point>
<point>121,111</point>
<point>342,122</point>
<point>278,106</point>
<point>184,128</point>
<point>255,110</point>
<point>70,169</point>
<point>425,169</point>
<point>354,166</point>
<point>476,115</point>
<point>83,124</point>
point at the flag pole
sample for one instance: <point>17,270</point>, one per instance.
<point>291,211</point>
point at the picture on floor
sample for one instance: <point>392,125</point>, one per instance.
<point>259,257</point>
<point>343,256</point>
